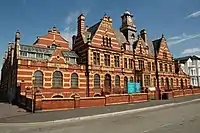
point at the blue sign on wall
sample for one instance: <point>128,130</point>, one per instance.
<point>133,87</point>
<point>137,87</point>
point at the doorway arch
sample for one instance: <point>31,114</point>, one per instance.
<point>125,84</point>
<point>107,83</point>
<point>181,83</point>
<point>167,83</point>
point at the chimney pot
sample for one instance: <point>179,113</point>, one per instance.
<point>17,35</point>
<point>143,34</point>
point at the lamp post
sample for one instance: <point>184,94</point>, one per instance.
<point>33,95</point>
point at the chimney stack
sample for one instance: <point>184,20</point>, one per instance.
<point>81,24</point>
<point>73,39</point>
<point>143,34</point>
<point>17,38</point>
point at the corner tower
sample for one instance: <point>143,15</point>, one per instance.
<point>128,27</point>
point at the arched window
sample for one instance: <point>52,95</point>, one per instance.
<point>126,84</point>
<point>57,79</point>
<point>131,79</point>
<point>107,83</point>
<point>117,81</point>
<point>172,84</point>
<point>162,82</point>
<point>38,79</point>
<point>74,80</point>
<point>96,81</point>
<point>57,96</point>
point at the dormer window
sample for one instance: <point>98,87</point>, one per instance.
<point>72,60</point>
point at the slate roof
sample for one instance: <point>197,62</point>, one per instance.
<point>152,45</point>
<point>29,48</point>
<point>47,51</point>
<point>93,29</point>
<point>185,58</point>
<point>120,37</point>
<point>156,44</point>
<point>70,54</point>
<point>151,48</point>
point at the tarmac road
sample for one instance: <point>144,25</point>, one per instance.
<point>183,118</point>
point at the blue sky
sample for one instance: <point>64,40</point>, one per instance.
<point>178,20</point>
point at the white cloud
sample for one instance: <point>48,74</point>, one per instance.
<point>71,25</point>
<point>181,38</point>
<point>190,51</point>
<point>193,15</point>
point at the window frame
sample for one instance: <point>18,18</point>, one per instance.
<point>74,80</point>
<point>57,80</point>
<point>117,81</point>
<point>39,79</point>
<point>97,80</point>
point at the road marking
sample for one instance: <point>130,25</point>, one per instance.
<point>100,115</point>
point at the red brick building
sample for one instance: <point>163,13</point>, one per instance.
<point>102,61</point>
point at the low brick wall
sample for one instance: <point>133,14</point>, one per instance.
<point>138,97</point>
<point>196,91</point>
<point>91,102</point>
<point>117,99</point>
<point>57,103</point>
<point>85,102</point>
<point>188,92</point>
<point>178,93</point>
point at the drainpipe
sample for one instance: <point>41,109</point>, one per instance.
<point>88,80</point>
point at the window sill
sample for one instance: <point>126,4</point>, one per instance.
<point>74,88</point>
<point>57,88</point>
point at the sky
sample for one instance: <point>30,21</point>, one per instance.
<point>178,20</point>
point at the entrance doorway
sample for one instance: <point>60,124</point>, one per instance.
<point>107,83</point>
<point>167,83</point>
<point>125,84</point>
<point>181,83</point>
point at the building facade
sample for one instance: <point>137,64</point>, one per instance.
<point>102,61</point>
<point>191,66</point>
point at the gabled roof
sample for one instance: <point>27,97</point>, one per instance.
<point>53,37</point>
<point>92,30</point>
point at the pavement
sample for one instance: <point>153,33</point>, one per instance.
<point>88,112</point>
<point>8,110</point>
<point>180,118</point>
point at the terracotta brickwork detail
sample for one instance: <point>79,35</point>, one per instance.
<point>101,62</point>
